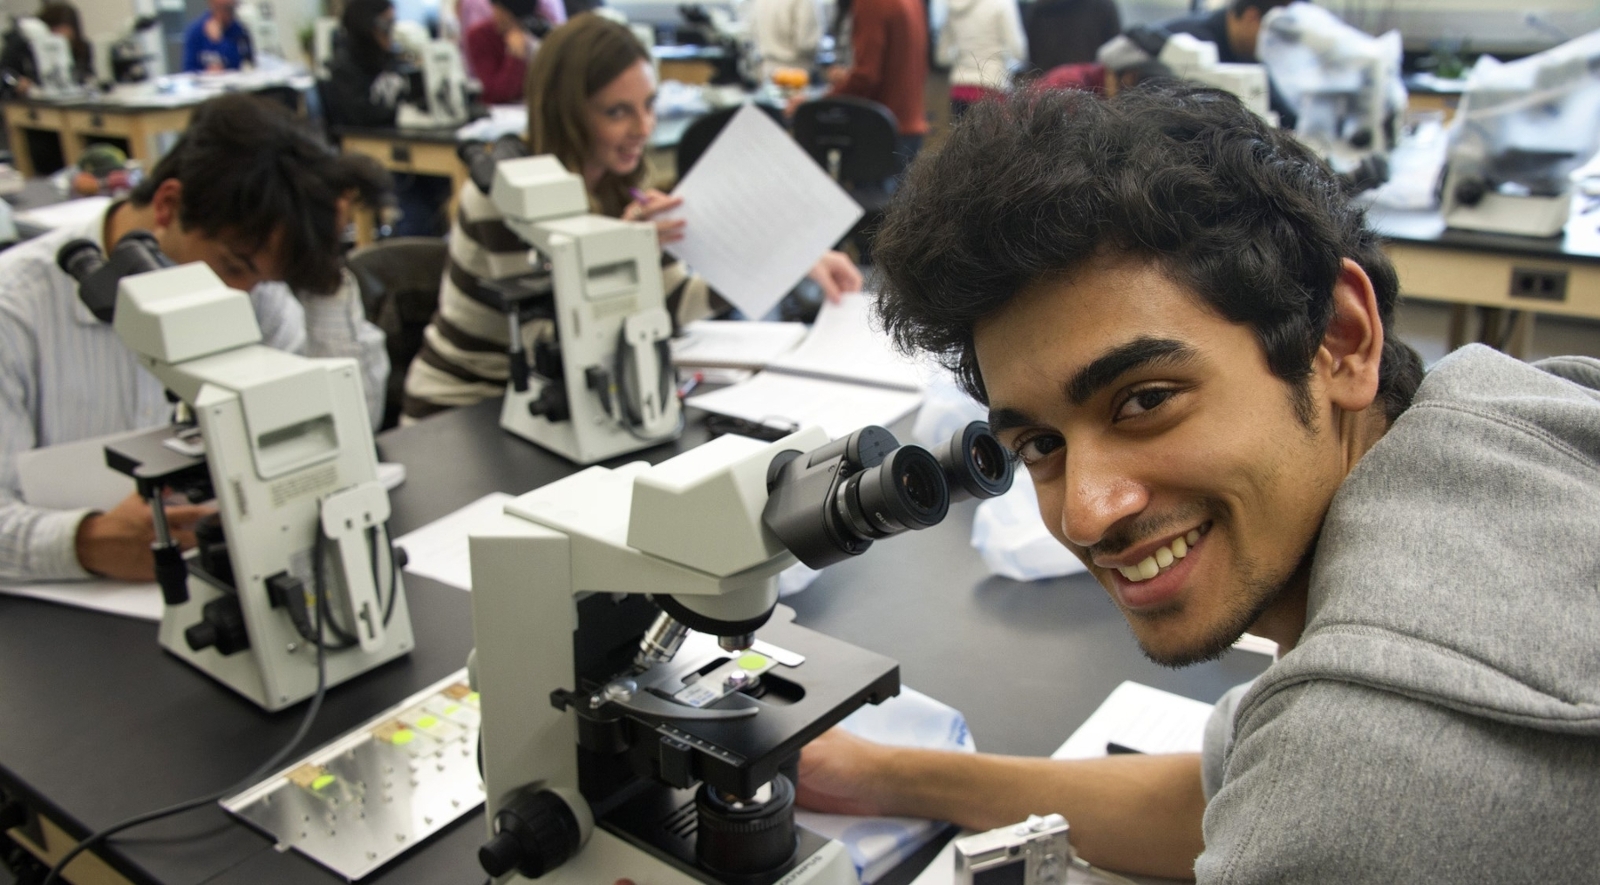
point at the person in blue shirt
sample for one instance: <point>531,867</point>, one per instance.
<point>216,41</point>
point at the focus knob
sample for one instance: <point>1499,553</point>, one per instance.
<point>221,627</point>
<point>533,834</point>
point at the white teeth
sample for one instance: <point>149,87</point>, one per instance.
<point>1161,560</point>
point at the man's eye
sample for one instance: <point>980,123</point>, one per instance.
<point>1033,449</point>
<point>1143,401</point>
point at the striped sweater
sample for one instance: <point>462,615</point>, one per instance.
<point>463,356</point>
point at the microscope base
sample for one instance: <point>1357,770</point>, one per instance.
<point>581,444</point>
<point>279,669</point>
<point>1518,216</point>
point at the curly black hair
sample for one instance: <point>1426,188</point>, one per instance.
<point>1044,183</point>
<point>250,170</point>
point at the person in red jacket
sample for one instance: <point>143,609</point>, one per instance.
<point>889,39</point>
<point>498,49</point>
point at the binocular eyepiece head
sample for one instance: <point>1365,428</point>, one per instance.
<point>833,502</point>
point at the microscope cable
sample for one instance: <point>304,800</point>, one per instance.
<point>261,771</point>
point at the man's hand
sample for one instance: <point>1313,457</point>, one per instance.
<point>116,543</point>
<point>652,203</point>
<point>517,43</point>
<point>837,772</point>
<point>836,274</point>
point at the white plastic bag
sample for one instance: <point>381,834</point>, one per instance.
<point>1010,536</point>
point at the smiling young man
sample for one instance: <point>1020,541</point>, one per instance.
<point>1181,327</point>
<point>259,199</point>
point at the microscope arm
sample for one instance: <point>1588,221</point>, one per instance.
<point>347,515</point>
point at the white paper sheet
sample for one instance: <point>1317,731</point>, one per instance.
<point>734,344</point>
<point>837,407</point>
<point>73,475</point>
<point>1142,718</point>
<point>438,550</point>
<point>130,600</point>
<point>760,212</point>
<point>68,214</point>
<point>845,344</point>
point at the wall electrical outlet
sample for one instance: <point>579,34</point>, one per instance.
<point>1541,283</point>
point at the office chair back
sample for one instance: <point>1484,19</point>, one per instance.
<point>703,131</point>
<point>853,138</point>
<point>399,281</point>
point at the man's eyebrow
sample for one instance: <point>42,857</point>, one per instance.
<point>1001,420</point>
<point>1124,358</point>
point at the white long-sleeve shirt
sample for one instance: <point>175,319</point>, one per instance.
<point>787,33</point>
<point>65,376</point>
<point>983,43</point>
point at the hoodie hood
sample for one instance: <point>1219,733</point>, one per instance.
<point>1459,563</point>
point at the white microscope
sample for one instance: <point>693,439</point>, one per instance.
<point>1521,130</point>
<point>1195,60</point>
<point>1344,84</point>
<point>601,383</point>
<point>52,59</point>
<point>438,88</point>
<point>1192,59</point>
<point>300,556</point>
<point>643,710</point>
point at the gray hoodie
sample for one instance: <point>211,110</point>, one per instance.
<point>1440,719</point>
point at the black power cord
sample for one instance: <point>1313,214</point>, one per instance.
<point>261,771</point>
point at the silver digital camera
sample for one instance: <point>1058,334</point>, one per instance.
<point>1034,852</point>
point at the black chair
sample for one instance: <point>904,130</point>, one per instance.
<point>704,130</point>
<point>854,140</point>
<point>399,281</point>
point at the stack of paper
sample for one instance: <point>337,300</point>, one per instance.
<point>732,344</point>
<point>843,376</point>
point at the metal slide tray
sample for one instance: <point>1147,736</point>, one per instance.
<point>362,800</point>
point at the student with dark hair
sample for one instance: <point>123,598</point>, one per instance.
<point>1182,328</point>
<point>19,72</point>
<point>216,41</point>
<point>260,200</point>
<point>363,86</point>
<point>17,63</point>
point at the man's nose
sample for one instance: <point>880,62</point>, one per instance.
<point>1098,495</point>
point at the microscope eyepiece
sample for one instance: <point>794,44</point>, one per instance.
<point>905,492</point>
<point>833,502</point>
<point>137,252</point>
<point>975,464</point>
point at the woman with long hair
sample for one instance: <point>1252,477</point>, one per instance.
<point>591,104</point>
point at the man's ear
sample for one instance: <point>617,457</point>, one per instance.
<point>1352,348</point>
<point>167,202</point>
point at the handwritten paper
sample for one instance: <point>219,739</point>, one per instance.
<point>760,212</point>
